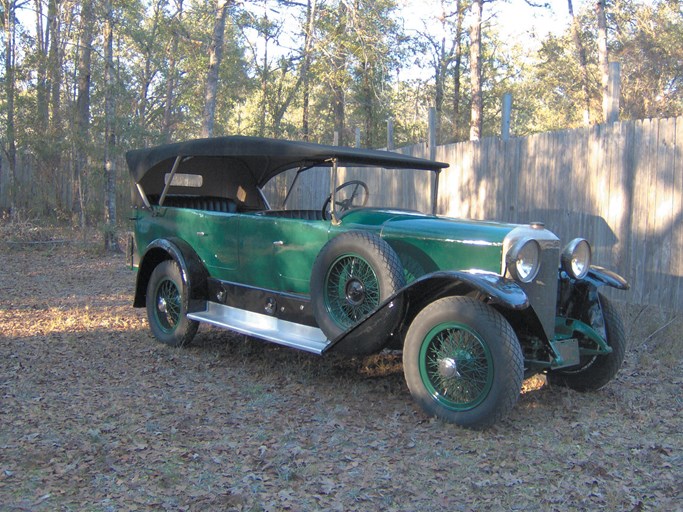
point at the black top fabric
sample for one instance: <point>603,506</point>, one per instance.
<point>264,158</point>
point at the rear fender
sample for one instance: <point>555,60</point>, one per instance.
<point>192,271</point>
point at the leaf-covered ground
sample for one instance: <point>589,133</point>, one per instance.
<point>96,415</point>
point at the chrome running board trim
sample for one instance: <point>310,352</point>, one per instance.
<point>269,328</point>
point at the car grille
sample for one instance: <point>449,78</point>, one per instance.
<point>542,291</point>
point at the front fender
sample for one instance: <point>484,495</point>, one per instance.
<point>192,271</point>
<point>489,286</point>
<point>376,331</point>
<point>600,276</point>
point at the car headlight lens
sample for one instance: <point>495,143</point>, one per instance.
<point>524,260</point>
<point>576,258</point>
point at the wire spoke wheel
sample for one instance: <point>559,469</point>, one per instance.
<point>167,297</point>
<point>168,305</point>
<point>462,362</point>
<point>456,366</point>
<point>353,277</point>
<point>351,290</point>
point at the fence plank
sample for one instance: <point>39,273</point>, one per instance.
<point>677,218</point>
<point>666,147</point>
<point>639,219</point>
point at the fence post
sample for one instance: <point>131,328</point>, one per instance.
<point>507,111</point>
<point>357,137</point>
<point>431,138</point>
<point>335,141</point>
<point>432,156</point>
<point>390,134</point>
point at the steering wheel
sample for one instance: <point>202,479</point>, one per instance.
<point>356,197</point>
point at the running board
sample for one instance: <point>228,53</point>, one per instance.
<point>269,328</point>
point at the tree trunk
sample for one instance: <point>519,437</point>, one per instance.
<point>42,38</point>
<point>305,68</point>
<point>171,79</point>
<point>279,110</point>
<point>82,121</point>
<point>456,97</point>
<point>170,90</point>
<point>440,74</point>
<point>603,57</point>
<point>110,238</point>
<point>55,138</point>
<point>215,57</point>
<point>475,64</point>
<point>11,148</point>
<point>456,71</point>
<point>583,64</point>
<point>149,70</point>
<point>339,63</point>
<point>369,106</point>
<point>264,89</point>
<point>339,113</point>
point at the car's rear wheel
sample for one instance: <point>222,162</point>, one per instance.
<point>463,362</point>
<point>166,306</point>
<point>595,371</point>
<point>353,274</point>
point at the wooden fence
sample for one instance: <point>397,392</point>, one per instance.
<point>620,186</point>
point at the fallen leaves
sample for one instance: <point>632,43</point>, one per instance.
<point>94,414</point>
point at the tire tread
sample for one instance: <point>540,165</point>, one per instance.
<point>487,319</point>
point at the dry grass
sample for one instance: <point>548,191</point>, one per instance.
<point>95,415</point>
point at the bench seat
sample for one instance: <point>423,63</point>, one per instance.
<point>207,203</point>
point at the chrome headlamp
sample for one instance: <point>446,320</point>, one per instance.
<point>576,258</point>
<point>524,260</point>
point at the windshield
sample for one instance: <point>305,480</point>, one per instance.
<point>356,187</point>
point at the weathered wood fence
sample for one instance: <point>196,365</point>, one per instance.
<point>618,185</point>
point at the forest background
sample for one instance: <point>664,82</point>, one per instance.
<point>86,80</point>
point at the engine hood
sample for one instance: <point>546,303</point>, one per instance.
<point>446,243</point>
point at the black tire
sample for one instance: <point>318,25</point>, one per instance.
<point>595,372</point>
<point>353,274</point>
<point>463,362</point>
<point>167,306</point>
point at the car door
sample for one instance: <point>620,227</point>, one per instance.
<point>278,253</point>
<point>214,237</point>
<point>295,251</point>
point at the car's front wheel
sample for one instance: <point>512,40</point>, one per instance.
<point>166,306</point>
<point>463,362</point>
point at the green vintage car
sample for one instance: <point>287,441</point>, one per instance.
<point>299,244</point>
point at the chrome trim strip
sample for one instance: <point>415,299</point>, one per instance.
<point>269,328</point>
